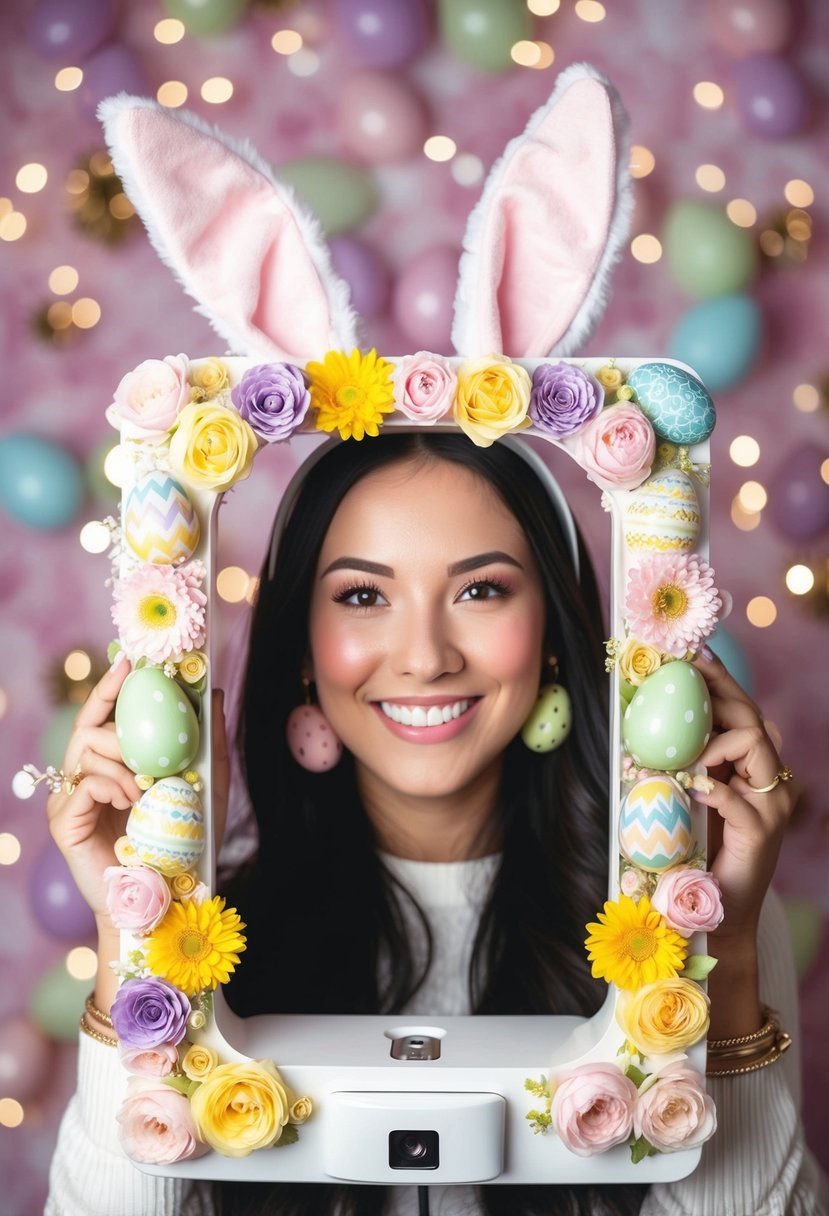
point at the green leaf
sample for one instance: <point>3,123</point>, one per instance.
<point>640,1149</point>
<point>635,1075</point>
<point>698,966</point>
<point>290,1135</point>
<point>180,1083</point>
<point>538,1088</point>
<point>113,650</point>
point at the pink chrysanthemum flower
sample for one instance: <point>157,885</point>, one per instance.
<point>159,611</point>
<point>672,602</point>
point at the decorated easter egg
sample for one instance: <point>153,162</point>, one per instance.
<point>655,829</point>
<point>311,740</point>
<point>550,720</point>
<point>160,524</point>
<point>668,721</point>
<point>662,515</point>
<point>155,724</point>
<point>166,827</point>
<point>677,404</point>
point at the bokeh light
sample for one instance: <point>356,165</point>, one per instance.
<point>68,79</point>
<point>744,451</point>
<point>9,849</point>
<point>81,962</point>
<point>216,90</point>
<point>173,93</point>
<point>642,161</point>
<point>95,537</point>
<point>440,147</point>
<point>12,226</point>
<point>232,584</point>
<point>287,42</point>
<point>800,579</point>
<point>708,95</point>
<point>77,665</point>
<point>761,611</point>
<point>526,54</point>
<point>63,280</point>
<point>746,521</point>
<point>741,212</point>
<point>169,31</point>
<point>86,312</point>
<point>806,398</point>
<point>11,1112</point>
<point>799,193</point>
<point>31,178</point>
<point>710,178</point>
<point>543,8</point>
<point>753,496</point>
<point>590,10</point>
<point>467,169</point>
<point>646,248</point>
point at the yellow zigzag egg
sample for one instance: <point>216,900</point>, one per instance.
<point>663,516</point>
<point>160,522</point>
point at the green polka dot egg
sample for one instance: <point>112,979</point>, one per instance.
<point>166,827</point>
<point>668,721</point>
<point>155,724</point>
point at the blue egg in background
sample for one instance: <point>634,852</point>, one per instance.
<point>719,338</point>
<point>41,485</point>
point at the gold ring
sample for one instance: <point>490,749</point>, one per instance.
<point>70,784</point>
<point>784,774</point>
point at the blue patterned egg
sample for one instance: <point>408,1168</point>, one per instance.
<point>662,516</point>
<point>166,827</point>
<point>155,724</point>
<point>678,405</point>
<point>668,721</point>
<point>655,830</point>
<point>160,524</point>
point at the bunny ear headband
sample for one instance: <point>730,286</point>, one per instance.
<point>538,252</point>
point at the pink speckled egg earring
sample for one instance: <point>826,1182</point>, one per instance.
<point>311,740</point>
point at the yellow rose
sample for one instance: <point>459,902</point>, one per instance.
<point>301,1110</point>
<point>638,660</point>
<point>192,667</point>
<point>208,379</point>
<point>668,1015</point>
<point>212,446</point>
<point>198,1062</point>
<point>183,885</point>
<point>126,853</point>
<point>241,1107</point>
<point>492,398</point>
<point>609,377</point>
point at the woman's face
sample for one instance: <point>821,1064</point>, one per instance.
<point>427,626</point>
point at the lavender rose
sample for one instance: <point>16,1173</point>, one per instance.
<point>273,398</point>
<point>147,1013</point>
<point>563,399</point>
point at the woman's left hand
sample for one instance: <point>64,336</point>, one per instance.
<point>746,829</point>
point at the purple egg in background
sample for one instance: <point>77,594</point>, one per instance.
<point>770,96</point>
<point>364,271</point>
<point>383,33</point>
<point>57,904</point>
<point>112,70</point>
<point>798,504</point>
<point>69,30</point>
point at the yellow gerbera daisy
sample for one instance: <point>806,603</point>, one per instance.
<point>633,945</point>
<point>196,946</point>
<point>351,393</point>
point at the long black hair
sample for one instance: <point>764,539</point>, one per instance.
<point>321,908</point>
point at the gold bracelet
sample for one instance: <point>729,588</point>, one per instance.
<point>777,1049</point>
<point>767,1031</point>
<point>97,1013</point>
<point>95,1034</point>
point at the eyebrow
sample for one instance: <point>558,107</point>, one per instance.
<point>462,567</point>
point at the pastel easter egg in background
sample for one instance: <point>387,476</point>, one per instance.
<point>769,95</point>
<point>678,405</point>
<point>483,32</point>
<point>662,515</point>
<point>423,298</point>
<point>311,740</point>
<point>381,118</point>
<point>155,724</point>
<point>57,1002</point>
<point>341,196</point>
<point>668,722</point>
<point>159,521</point>
<point>166,826</point>
<point>706,253</point>
<point>743,27</point>
<point>26,1058</point>
<point>655,829</point>
<point>720,339</point>
<point>383,33</point>
<point>41,485</point>
<point>550,720</point>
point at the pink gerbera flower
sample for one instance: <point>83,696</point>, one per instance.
<point>159,611</point>
<point>672,602</point>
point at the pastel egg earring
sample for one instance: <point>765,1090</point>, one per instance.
<point>551,718</point>
<point>310,736</point>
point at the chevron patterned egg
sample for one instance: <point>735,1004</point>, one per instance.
<point>662,516</point>
<point>160,523</point>
<point>655,830</point>
<point>166,827</point>
<point>677,403</point>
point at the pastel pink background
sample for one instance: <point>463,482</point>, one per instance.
<point>52,596</point>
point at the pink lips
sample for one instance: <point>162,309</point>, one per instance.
<point>430,734</point>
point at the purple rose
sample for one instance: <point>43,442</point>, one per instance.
<point>563,398</point>
<point>148,1013</point>
<point>273,398</point>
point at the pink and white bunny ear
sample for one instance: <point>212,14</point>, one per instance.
<point>540,244</point>
<point>239,241</point>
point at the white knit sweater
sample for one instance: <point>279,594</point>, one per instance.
<point>756,1164</point>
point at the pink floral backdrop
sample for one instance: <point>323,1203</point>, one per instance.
<point>753,311</point>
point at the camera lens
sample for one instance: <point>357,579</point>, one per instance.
<point>413,1150</point>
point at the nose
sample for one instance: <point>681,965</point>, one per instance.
<point>426,647</point>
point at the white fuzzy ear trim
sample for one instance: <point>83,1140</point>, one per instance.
<point>548,228</point>
<point>238,240</point>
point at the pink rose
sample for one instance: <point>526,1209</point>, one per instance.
<point>675,1112</point>
<point>593,1108</point>
<point>155,1123</point>
<point>689,900</point>
<point>616,449</point>
<point>150,397</point>
<point>424,386</point>
<point>137,897</point>
<point>149,1061</point>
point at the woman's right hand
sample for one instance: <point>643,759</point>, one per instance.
<point>86,823</point>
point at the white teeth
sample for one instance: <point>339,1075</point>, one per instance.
<point>418,715</point>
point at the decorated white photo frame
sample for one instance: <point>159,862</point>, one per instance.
<point>189,430</point>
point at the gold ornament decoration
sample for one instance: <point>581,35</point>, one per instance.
<point>97,202</point>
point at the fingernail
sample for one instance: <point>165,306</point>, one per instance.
<point>708,654</point>
<point>698,794</point>
<point>118,660</point>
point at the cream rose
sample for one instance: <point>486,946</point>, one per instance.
<point>193,667</point>
<point>609,377</point>
<point>301,1110</point>
<point>492,398</point>
<point>212,446</point>
<point>241,1107</point>
<point>668,1015</point>
<point>675,1112</point>
<point>198,1061</point>
<point>208,379</point>
<point>638,660</point>
<point>155,1123</point>
<point>151,397</point>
